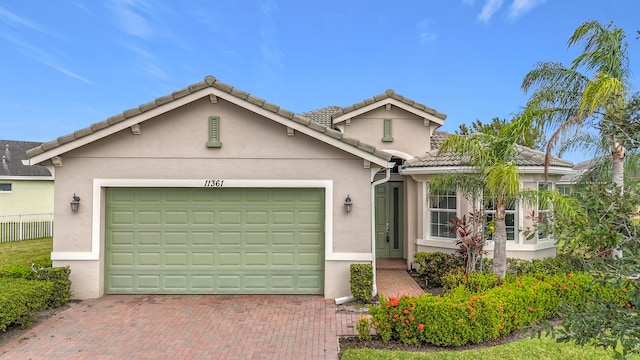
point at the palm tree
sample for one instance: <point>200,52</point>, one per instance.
<point>495,173</point>
<point>571,102</point>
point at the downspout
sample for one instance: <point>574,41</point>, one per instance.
<point>373,222</point>
<point>346,299</point>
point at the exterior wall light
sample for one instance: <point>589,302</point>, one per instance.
<point>75,203</point>
<point>348,204</point>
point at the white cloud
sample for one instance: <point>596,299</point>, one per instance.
<point>129,14</point>
<point>520,7</point>
<point>490,7</point>
<point>43,57</point>
<point>424,31</point>
<point>11,18</point>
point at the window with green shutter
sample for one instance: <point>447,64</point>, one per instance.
<point>214,132</point>
<point>386,136</point>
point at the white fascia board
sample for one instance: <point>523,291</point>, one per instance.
<point>127,123</point>
<point>436,170</point>
<point>38,178</point>
<point>392,101</point>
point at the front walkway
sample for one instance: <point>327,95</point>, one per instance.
<point>392,280</point>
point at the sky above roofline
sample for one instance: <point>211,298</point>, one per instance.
<point>68,64</point>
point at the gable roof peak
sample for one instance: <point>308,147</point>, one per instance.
<point>173,100</point>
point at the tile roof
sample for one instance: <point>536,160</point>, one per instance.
<point>526,156</point>
<point>390,94</point>
<point>322,116</point>
<point>581,168</point>
<point>12,153</point>
<point>208,82</point>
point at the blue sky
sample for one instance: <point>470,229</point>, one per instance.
<point>68,64</point>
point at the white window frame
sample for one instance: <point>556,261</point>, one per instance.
<point>431,210</point>
<point>547,210</point>
<point>516,220</point>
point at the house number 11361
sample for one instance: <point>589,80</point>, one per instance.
<point>213,183</point>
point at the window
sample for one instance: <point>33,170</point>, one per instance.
<point>214,132</point>
<point>510,217</point>
<point>442,208</point>
<point>542,218</point>
<point>5,187</point>
<point>386,132</point>
<point>564,189</point>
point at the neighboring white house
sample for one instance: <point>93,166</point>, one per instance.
<point>212,190</point>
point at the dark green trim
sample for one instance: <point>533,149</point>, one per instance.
<point>214,132</point>
<point>386,132</point>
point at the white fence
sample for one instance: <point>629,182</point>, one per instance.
<point>25,226</point>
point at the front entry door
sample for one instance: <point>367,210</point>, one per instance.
<point>389,220</point>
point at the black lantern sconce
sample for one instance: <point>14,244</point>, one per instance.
<point>75,203</point>
<point>348,204</point>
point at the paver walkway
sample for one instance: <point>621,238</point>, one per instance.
<point>197,326</point>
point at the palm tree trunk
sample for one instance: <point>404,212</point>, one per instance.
<point>617,157</point>
<point>500,241</point>
<point>617,178</point>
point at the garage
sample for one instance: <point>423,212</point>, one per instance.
<point>214,240</point>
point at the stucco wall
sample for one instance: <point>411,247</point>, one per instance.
<point>410,136</point>
<point>173,146</point>
<point>27,197</point>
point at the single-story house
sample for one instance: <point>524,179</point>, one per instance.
<point>212,190</point>
<point>24,189</point>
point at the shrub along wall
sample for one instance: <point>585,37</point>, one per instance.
<point>25,291</point>
<point>462,316</point>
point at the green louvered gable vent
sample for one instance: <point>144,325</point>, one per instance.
<point>387,137</point>
<point>214,132</point>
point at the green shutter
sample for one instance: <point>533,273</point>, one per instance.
<point>386,136</point>
<point>214,132</point>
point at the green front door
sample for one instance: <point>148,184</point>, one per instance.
<point>389,202</point>
<point>214,241</point>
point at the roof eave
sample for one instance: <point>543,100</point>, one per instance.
<point>437,170</point>
<point>420,113</point>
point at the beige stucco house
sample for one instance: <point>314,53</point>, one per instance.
<point>24,189</point>
<point>212,190</point>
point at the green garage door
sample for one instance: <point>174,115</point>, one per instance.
<point>214,241</point>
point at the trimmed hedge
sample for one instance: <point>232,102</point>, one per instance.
<point>20,299</point>
<point>463,317</point>
<point>362,282</point>
<point>435,265</point>
<point>25,291</point>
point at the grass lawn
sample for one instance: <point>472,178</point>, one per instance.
<point>23,253</point>
<point>533,349</point>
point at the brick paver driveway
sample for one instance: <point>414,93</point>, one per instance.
<point>184,327</point>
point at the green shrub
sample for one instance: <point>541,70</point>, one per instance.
<point>562,263</point>
<point>463,317</point>
<point>20,299</point>
<point>474,282</point>
<point>58,277</point>
<point>362,282</point>
<point>435,265</point>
